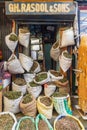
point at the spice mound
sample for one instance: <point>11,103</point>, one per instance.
<point>12,94</point>
<point>20,81</point>
<point>27,99</point>
<point>46,101</point>
<point>67,123</point>
<point>6,122</point>
<point>42,125</point>
<point>26,124</point>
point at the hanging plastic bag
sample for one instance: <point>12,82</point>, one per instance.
<point>14,65</point>
<point>26,61</point>
<point>42,118</point>
<point>55,51</point>
<point>24,36</point>
<point>11,41</point>
<point>67,38</point>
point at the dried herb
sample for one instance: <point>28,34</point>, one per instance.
<point>26,124</point>
<point>20,81</point>
<point>67,123</point>
<point>55,73</point>
<point>27,99</point>
<point>42,125</point>
<point>35,65</point>
<point>24,30</point>
<point>59,94</point>
<point>13,37</point>
<point>33,84</point>
<point>67,55</point>
<point>55,45</point>
<point>6,122</point>
<point>63,80</point>
<point>40,77</point>
<point>12,94</point>
<point>46,101</point>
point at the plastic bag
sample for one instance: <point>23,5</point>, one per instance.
<point>42,117</point>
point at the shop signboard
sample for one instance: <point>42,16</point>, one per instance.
<point>39,8</point>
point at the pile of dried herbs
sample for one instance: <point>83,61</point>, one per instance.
<point>55,45</point>
<point>24,30</point>
<point>33,84</point>
<point>26,124</point>
<point>59,94</point>
<point>35,65</point>
<point>27,98</point>
<point>67,55</point>
<point>46,101</point>
<point>12,94</point>
<point>42,125</point>
<point>41,77</point>
<point>63,80</point>
<point>6,122</point>
<point>20,81</point>
<point>55,73</point>
<point>67,123</point>
<point>13,37</point>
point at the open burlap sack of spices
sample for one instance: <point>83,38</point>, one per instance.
<point>11,41</point>
<point>67,122</point>
<point>34,89</point>
<point>55,75</point>
<point>42,123</point>
<point>45,106</point>
<point>41,78</point>
<point>55,51</point>
<point>65,60</point>
<point>12,100</point>
<point>19,84</point>
<point>14,66</point>
<point>35,67</point>
<point>24,36</point>
<point>8,121</point>
<point>62,103</point>
<point>26,61</point>
<point>26,123</point>
<point>28,105</point>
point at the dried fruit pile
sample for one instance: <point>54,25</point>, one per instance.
<point>6,122</point>
<point>67,123</point>
<point>26,124</point>
<point>42,125</point>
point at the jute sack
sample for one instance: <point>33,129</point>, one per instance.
<point>29,109</point>
<point>11,44</point>
<point>55,51</point>
<point>13,116</point>
<point>43,109</point>
<point>14,65</point>
<point>26,61</point>
<point>24,38</point>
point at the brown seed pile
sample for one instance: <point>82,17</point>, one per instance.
<point>42,125</point>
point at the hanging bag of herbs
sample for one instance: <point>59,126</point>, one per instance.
<point>26,123</point>
<point>65,60</point>
<point>55,51</point>
<point>28,105</point>
<point>11,41</point>
<point>12,100</point>
<point>42,123</point>
<point>19,84</point>
<point>34,89</point>
<point>45,106</point>
<point>35,67</point>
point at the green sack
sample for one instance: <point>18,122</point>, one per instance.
<point>40,116</point>
<point>23,118</point>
